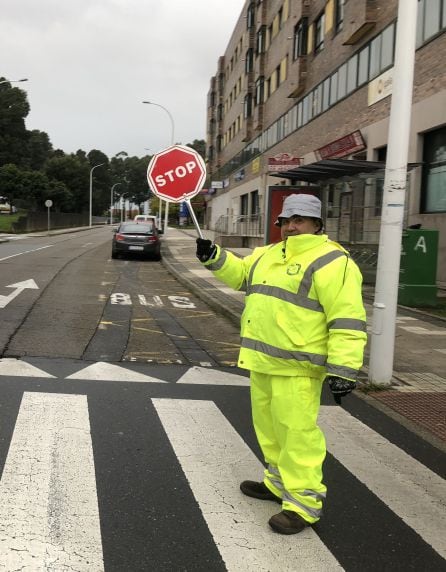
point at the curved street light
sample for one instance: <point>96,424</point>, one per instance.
<point>13,80</point>
<point>91,192</point>
<point>112,201</point>
<point>172,140</point>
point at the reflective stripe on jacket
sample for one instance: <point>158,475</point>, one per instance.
<point>303,307</point>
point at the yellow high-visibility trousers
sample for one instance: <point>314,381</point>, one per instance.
<point>284,411</point>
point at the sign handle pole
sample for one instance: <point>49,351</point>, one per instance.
<point>194,218</point>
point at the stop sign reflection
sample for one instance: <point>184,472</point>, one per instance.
<point>176,174</point>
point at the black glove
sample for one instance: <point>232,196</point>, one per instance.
<point>340,387</point>
<point>205,249</point>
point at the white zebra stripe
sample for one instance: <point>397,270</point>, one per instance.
<point>49,518</point>
<point>411,490</point>
<point>215,459</point>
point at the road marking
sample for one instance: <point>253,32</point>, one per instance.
<point>15,367</point>
<point>102,371</point>
<point>49,518</point>
<point>415,493</point>
<point>403,319</point>
<point>204,376</point>
<point>423,331</point>
<point>215,459</point>
<point>26,252</point>
<point>19,287</point>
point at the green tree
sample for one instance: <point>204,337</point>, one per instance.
<point>39,149</point>
<point>101,181</point>
<point>14,107</point>
<point>75,174</point>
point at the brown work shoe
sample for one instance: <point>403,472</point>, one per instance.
<point>287,522</point>
<point>258,491</point>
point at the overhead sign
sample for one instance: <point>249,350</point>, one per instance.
<point>176,174</point>
<point>283,162</point>
<point>351,143</point>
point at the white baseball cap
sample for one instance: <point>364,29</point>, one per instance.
<point>302,205</point>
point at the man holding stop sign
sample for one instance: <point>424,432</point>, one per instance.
<point>303,323</point>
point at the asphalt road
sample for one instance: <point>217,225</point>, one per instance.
<point>125,431</point>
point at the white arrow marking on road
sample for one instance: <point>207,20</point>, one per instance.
<point>203,376</point>
<point>19,287</point>
<point>15,367</point>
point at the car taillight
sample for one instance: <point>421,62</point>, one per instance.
<point>119,236</point>
<point>151,239</point>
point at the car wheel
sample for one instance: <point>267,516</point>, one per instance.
<point>114,254</point>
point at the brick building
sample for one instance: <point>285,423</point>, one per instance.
<point>305,81</point>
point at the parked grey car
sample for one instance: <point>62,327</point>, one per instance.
<point>140,239</point>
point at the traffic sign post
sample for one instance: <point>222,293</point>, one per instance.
<point>48,204</point>
<point>177,174</point>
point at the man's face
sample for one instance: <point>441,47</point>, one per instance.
<point>298,225</point>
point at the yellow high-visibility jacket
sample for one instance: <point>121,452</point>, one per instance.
<point>303,308</point>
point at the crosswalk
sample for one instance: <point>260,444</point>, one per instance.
<point>146,478</point>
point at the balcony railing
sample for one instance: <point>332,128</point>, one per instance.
<point>240,225</point>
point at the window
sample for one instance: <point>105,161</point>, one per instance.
<point>219,112</point>
<point>300,38</point>
<point>260,83</point>
<point>260,44</point>
<point>244,201</point>
<point>283,70</point>
<point>255,204</point>
<point>249,60</point>
<point>375,57</point>
<point>342,81</point>
<point>387,48</point>
<point>333,88</point>
<point>250,14</point>
<point>317,100</point>
<point>434,171</point>
<point>363,65</point>
<point>431,19</point>
<point>339,15</point>
<point>319,33</point>
<point>352,73</point>
<point>247,106</point>
<point>326,94</point>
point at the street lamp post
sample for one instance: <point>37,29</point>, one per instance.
<point>13,80</point>
<point>91,192</point>
<point>112,201</point>
<point>172,140</point>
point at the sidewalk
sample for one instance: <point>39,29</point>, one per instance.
<point>417,400</point>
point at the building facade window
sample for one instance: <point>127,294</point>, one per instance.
<point>250,16</point>
<point>300,38</point>
<point>319,33</point>
<point>434,172</point>
<point>261,40</point>
<point>244,204</point>
<point>339,15</point>
<point>249,60</point>
<point>255,203</point>
<point>259,93</point>
<point>247,106</point>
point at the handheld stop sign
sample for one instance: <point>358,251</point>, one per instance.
<point>177,174</point>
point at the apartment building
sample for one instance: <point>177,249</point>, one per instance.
<point>303,81</point>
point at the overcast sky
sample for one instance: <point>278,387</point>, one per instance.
<point>91,63</point>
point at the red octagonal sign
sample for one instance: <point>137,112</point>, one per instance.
<point>176,174</point>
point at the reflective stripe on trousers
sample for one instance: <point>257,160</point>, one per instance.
<point>285,410</point>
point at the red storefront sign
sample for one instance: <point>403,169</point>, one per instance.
<point>283,162</point>
<point>341,147</point>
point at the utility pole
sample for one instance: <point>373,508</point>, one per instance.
<point>395,182</point>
